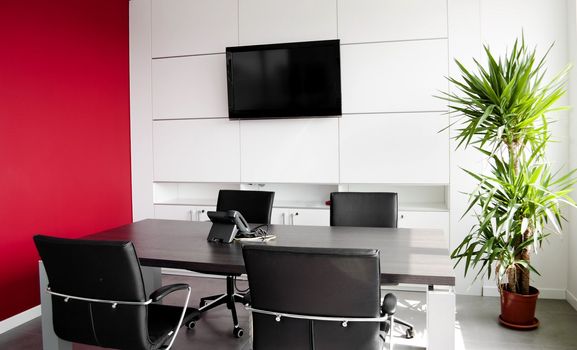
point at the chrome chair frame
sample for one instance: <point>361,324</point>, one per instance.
<point>342,320</point>
<point>115,303</point>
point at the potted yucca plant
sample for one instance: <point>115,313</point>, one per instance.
<point>502,109</point>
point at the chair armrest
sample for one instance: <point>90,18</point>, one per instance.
<point>165,290</point>
<point>389,305</point>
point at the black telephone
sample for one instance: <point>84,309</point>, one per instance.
<point>225,225</point>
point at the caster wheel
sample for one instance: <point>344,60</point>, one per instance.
<point>410,334</point>
<point>191,324</point>
<point>238,332</point>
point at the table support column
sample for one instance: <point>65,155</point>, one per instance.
<point>49,339</point>
<point>441,318</point>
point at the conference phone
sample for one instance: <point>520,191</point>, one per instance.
<point>226,225</point>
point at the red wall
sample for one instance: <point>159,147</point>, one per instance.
<point>64,130</point>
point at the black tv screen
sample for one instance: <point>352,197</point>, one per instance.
<point>284,80</point>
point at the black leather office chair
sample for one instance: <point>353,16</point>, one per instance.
<point>315,298</point>
<point>367,209</point>
<point>256,208</point>
<point>364,209</point>
<point>98,296</point>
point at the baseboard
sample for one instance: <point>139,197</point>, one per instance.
<point>19,319</point>
<point>572,299</point>
<point>544,293</point>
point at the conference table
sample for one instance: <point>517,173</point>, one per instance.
<point>408,256</point>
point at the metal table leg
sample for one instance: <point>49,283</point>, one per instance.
<point>441,318</point>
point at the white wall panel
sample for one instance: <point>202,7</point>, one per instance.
<point>202,150</point>
<point>385,20</point>
<point>290,150</point>
<point>189,87</point>
<point>277,21</point>
<point>394,148</point>
<point>394,77</point>
<point>186,27</point>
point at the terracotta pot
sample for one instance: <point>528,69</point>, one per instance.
<point>518,310</point>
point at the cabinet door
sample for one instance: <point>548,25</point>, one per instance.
<point>201,150</point>
<point>279,216</point>
<point>290,150</point>
<point>421,219</point>
<point>181,212</point>
<point>311,217</point>
<point>306,217</point>
<point>394,148</point>
<point>174,212</point>
<point>199,212</point>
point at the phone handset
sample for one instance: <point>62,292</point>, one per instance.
<point>239,221</point>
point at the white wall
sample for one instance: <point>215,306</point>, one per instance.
<point>410,42</point>
<point>464,43</point>
<point>473,23</point>
<point>572,246</point>
<point>140,109</point>
<point>543,22</point>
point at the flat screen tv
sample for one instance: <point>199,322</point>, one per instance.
<point>284,80</point>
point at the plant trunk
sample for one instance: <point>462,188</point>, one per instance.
<point>523,274</point>
<point>519,275</point>
<point>512,277</point>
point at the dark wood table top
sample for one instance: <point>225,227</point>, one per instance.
<point>416,256</point>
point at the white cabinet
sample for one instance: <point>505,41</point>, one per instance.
<point>362,21</point>
<point>290,150</point>
<point>394,77</point>
<point>394,148</point>
<point>185,27</point>
<point>197,150</point>
<point>295,216</point>
<point>182,212</point>
<point>189,87</point>
<point>422,219</point>
<point>277,21</point>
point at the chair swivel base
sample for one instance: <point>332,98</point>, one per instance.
<point>229,299</point>
<point>410,332</point>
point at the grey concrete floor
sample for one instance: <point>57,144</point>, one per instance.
<point>476,327</point>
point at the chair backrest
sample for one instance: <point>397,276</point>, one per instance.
<point>316,282</point>
<point>255,206</point>
<point>364,209</point>
<point>104,270</point>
